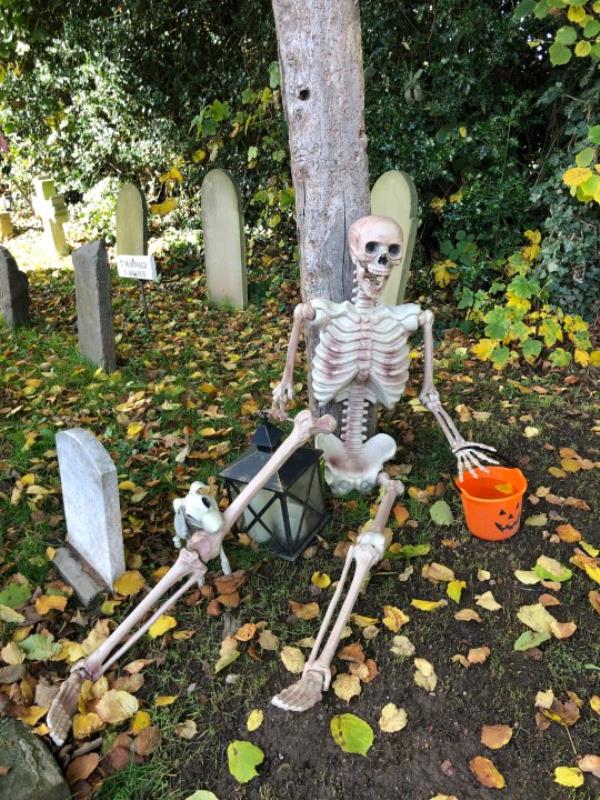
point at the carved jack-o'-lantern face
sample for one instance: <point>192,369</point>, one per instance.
<point>507,521</point>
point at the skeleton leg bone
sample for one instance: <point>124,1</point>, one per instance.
<point>367,552</point>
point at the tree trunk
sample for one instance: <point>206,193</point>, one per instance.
<point>320,58</point>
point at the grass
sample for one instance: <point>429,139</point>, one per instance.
<point>203,368</point>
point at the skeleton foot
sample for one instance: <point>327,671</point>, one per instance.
<point>303,694</point>
<point>63,707</point>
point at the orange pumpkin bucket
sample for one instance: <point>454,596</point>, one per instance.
<point>492,501</point>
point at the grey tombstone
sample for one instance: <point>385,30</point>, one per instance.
<point>91,500</point>
<point>132,221</point>
<point>224,240</point>
<point>395,195</point>
<point>33,773</point>
<point>53,211</point>
<point>14,291</point>
<point>94,305</point>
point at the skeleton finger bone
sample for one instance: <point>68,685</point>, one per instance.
<point>368,550</point>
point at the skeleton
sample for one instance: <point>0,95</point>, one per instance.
<point>363,357</point>
<point>202,526</point>
<point>368,551</point>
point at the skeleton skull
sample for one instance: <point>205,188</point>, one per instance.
<point>375,245</point>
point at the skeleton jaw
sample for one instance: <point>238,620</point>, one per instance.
<point>372,278</point>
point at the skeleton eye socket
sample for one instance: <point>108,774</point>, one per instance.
<point>206,502</point>
<point>394,250</point>
<point>370,247</point>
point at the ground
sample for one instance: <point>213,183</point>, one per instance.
<point>181,407</point>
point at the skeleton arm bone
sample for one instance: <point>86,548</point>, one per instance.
<point>469,454</point>
<point>283,392</point>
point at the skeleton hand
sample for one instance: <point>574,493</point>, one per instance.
<point>469,455</point>
<point>282,394</point>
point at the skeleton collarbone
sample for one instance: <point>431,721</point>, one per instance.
<point>365,346</point>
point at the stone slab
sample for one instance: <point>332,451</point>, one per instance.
<point>91,500</point>
<point>33,773</point>
<point>94,305</point>
<point>224,240</point>
<point>395,195</point>
<point>132,221</point>
<point>6,227</point>
<point>72,571</point>
<point>14,291</point>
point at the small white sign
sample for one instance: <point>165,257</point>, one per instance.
<point>143,268</point>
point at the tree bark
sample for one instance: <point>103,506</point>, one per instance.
<point>320,58</point>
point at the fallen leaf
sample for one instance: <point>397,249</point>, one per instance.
<point>486,773</point>
<point>528,577</point>
<point>568,776</point>
<point>202,794</point>
<point>163,624</point>
<point>81,768</point>
<point>293,659</point>
<point>352,734</point>
<point>590,763</point>
<point>483,575</point>
<point>165,700</point>
<point>545,699</point>
<point>321,580</point>
<point>226,660</point>
<point>437,572</point>
<point>186,729</point>
<point>141,720</point>
<point>441,513</point>
<point>496,736</point>
<point>255,719</point>
<point>428,605</point>
<point>547,600</point>
<point>487,601</point>
<point>478,655</point>
<point>305,611</point>
<point>147,740</point>
<point>43,605</point>
<point>425,676</point>
<point>86,724</point>
<point>268,641</point>
<point>346,686</point>
<point>595,703</point>
<point>454,590</point>
<point>243,758</point>
<point>394,618</point>
<point>402,646</point>
<point>566,713</point>
<point>551,569</point>
<point>352,652</point>
<point>567,533</point>
<point>116,706</point>
<point>32,715</point>
<point>400,514</point>
<point>530,432</point>
<point>392,718</point>
<point>537,520</point>
<point>538,619</point>
<point>12,654</point>
<point>594,597</point>
<point>363,622</point>
<point>129,583</point>
<point>467,615</point>
<point>245,633</point>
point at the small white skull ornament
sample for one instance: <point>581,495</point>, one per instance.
<point>197,510</point>
<point>375,245</point>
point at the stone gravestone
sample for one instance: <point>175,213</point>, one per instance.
<point>6,228</point>
<point>94,305</point>
<point>53,211</point>
<point>33,774</point>
<point>224,240</point>
<point>395,195</point>
<point>90,493</point>
<point>133,260</point>
<point>14,291</point>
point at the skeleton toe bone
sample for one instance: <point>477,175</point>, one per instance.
<point>303,694</point>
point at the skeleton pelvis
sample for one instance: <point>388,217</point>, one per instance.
<point>345,472</point>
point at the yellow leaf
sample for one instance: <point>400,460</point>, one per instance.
<point>595,358</point>
<point>394,618</point>
<point>454,590</point>
<point>86,724</point>
<point>463,132</point>
<point>198,156</point>
<point>8,614</point>
<point>129,583</point>
<point>583,48</point>
<point>245,632</point>
<point>486,773</point>
<point>187,729</point>
<point>506,488</point>
<point>12,654</point>
<point>581,357</point>
<point>346,686</point>
<point>163,208</point>
<point>134,429</point>
<point>437,572</point>
<point>163,624</point>
<point>108,607</point>
<point>483,349</point>
<point>127,486</point>
<point>141,720</point>
<point>428,605</point>
<point>165,700</point>
<point>487,601</point>
<point>361,621</point>
<point>392,718</point>
<point>570,464</point>
<point>293,659</point>
<point>595,703</point>
<point>496,736</point>
<point>576,14</point>
<point>467,615</point>
<point>441,273</point>
<point>535,237</point>
<point>425,676</point>
<point>50,553</point>
<point>116,706</point>
<point>255,719</point>
<point>47,603</point>
<point>576,175</point>
<point>172,175</point>
<point>568,776</point>
<point>32,715</point>
<point>305,611</point>
<point>321,580</point>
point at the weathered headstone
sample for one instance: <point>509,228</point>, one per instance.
<point>94,305</point>
<point>395,195</point>
<point>14,291</point>
<point>52,210</point>
<point>132,221</point>
<point>33,774</point>
<point>90,493</point>
<point>6,228</point>
<point>224,240</point>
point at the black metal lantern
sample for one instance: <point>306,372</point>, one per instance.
<point>290,510</point>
